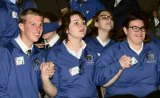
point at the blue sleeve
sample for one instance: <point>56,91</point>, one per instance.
<point>55,79</point>
<point>4,72</point>
<point>3,19</point>
<point>106,67</point>
<point>29,4</point>
<point>100,6</point>
<point>49,27</point>
<point>159,69</point>
<point>39,73</point>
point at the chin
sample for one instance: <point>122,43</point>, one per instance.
<point>35,40</point>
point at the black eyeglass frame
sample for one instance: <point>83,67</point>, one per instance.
<point>137,29</point>
<point>105,17</point>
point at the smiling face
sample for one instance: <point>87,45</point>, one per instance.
<point>31,29</point>
<point>135,36</point>
<point>77,27</point>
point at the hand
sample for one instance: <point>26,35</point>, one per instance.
<point>47,69</point>
<point>125,61</point>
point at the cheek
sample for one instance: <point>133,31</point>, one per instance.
<point>72,30</point>
<point>29,28</point>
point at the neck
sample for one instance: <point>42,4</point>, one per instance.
<point>26,42</point>
<point>49,39</point>
<point>74,45</point>
<point>103,35</point>
<point>136,47</point>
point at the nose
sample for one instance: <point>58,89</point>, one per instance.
<point>39,27</point>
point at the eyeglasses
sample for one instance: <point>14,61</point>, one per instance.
<point>81,65</point>
<point>105,17</point>
<point>137,29</point>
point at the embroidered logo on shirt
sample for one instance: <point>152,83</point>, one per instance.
<point>150,58</point>
<point>89,58</point>
<point>19,60</point>
<point>36,63</point>
<point>14,14</point>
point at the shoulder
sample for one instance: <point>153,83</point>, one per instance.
<point>90,51</point>
<point>89,39</point>
<point>113,48</point>
<point>4,51</point>
<point>153,46</point>
<point>112,41</point>
<point>56,49</point>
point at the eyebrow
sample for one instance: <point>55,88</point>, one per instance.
<point>105,15</point>
<point>78,20</point>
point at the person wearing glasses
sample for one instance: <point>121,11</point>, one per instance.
<point>101,29</point>
<point>137,56</point>
<point>20,60</point>
<point>99,37</point>
<point>120,8</point>
<point>74,60</point>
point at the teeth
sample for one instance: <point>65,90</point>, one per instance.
<point>139,35</point>
<point>36,34</point>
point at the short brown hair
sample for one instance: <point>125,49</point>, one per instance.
<point>30,11</point>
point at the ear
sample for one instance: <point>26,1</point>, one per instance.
<point>96,24</point>
<point>125,30</point>
<point>67,30</point>
<point>21,26</point>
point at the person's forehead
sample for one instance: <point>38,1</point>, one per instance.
<point>33,17</point>
<point>105,13</point>
<point>136,22</point>
<point>75,17</point>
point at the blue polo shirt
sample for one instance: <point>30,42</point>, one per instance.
<point>8,21</point>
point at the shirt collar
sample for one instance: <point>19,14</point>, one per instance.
<point>117,2</point>
<point>22,45</point>
<point>77,55</point>
<point>13,1</point>
<point>139,51</point>
<point>54,40</point>
<point>101,42</point>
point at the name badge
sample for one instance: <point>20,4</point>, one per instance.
<point>19,60</point>
<point>73,71</point>
<point>134,60</point>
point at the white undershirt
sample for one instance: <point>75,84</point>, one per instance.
<point>53,41</point>
<point>139,51</point>
<point>103,43</point>
<point>77,55</point>
<point>13,1</point>
<point>22,45</point>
